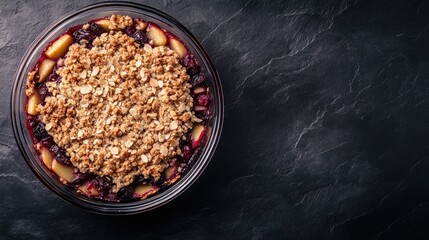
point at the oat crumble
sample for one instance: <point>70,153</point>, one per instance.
<point>120,110</point>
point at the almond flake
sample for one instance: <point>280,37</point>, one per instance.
<point>147,48</point>
<point>153,82</point>
<point>195,119</point>
<point>99,91</point>
<point>87,64</point>
<point>114,150</point>
<point>140,126</point>
<point>85,89</point>
<point>133,112</point>
<point>164,151</point>
<point>123,74</point>
<point>95,71</point>
<point>173,125</point>
<point>83,74</point>
<point>84,103</point>
<point>128,143</point>
<point>144,158</point>
<point>160,137</point>
<point>152,115</point>
<point>181,107</point>
<point>142,75</point>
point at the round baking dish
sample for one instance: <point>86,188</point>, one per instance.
<point>80,16</point>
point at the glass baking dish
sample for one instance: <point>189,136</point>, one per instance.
<point>80,16</point>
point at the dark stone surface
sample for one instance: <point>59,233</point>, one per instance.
<point>326,129</point>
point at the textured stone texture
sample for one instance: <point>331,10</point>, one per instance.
<point>326,129</point>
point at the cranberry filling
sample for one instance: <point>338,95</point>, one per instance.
<point>103,184</point>
<point>140,37</point>
<point>83,34</point>
<point>80,178</point>
<point>96,29</point>
<point>47,141</point>
<point>191,65</point>
<point>39,130</point>
<point>125,194</point>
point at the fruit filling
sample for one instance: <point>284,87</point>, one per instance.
<point>117,108</point>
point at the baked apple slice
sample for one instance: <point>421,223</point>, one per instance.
<point>175,44</point>
<point>171,175</point>
<point>47,157</point>
<point>197,135</point>
<point>106,24</point>
<point>45,68</point>
<point>199,108</point>
<point>199,90</point>
<point>59,47</point>
<point>89,189</point>
<point>144,190</point>
<point>63,171</point>
<point>32,103</point>
<point>156,35</point>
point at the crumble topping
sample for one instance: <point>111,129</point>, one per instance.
<point>120,21</point>
<point>31,83</point>
<point>119,110</point>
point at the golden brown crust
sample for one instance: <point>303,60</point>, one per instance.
<point>120,21</point>
<point>30,83</point>
<point>120,110</point>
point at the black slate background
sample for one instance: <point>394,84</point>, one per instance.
<point>326,128</point>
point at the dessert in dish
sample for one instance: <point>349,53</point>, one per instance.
<point>117,108</point>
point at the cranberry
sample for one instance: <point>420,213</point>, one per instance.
<point>61,157</point>
<point>197,79</point>
<point>186,152</point>
<point>110,196</point>
<point>191,64</point>
<point>83,34</point>
<point>95,28</point>
<point>60,154</point>
<point>80,177</point>
<point>47,141</point>
<point>185,138</point>
<point>53,77</point>
<point>43,91</point>
<point>140,179</point>
<point>185,166</point>
<point>54,149</point>
<point>140,37</point>
<point>32,120</point>
<point>204,115</point>
<point>159,181</point>
<point>125,193</point>
<point>130,30</point>
<point>203,100</point>
<point>39,131</point>
<point>103,184</point>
